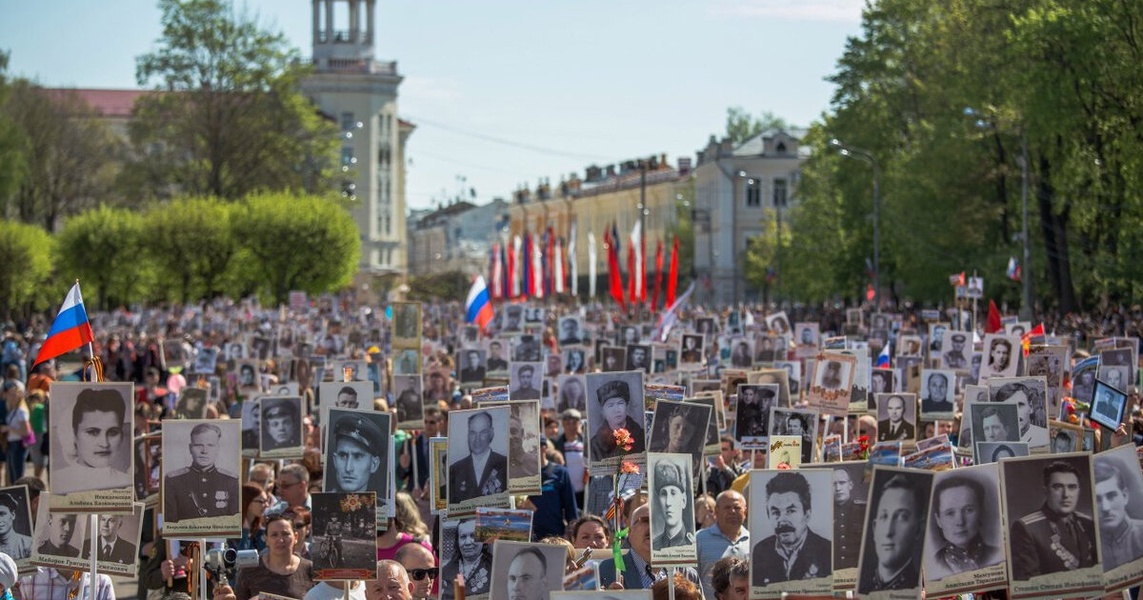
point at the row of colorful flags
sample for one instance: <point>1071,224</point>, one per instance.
<point>540,265</point>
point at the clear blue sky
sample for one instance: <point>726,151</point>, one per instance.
<point>567,82</point>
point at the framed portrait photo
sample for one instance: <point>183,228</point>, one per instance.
<point>1107,405</point>
<point>91,450</point>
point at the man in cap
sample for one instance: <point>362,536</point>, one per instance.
<point>794,551</point>
<point>12,543</point>
<point>483,472</point>
<point>358,447</point>
<point>202,489</point>
<point>672,497</point>
<point>280,424</point>
<point>613,397</point>
<point>954,357</point>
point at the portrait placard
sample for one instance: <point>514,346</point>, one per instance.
<point>937,390</point>
<point>525,570</point>
<point>994,422</point>
<point>90,436</point>
<point>408,394</point>
<point>832,384</point>
<point>849,494</point>
<point>894,534</point>
<point>478,459</point>
<point>16,526</point>
<point>672,509</point>
<point>964,548</point>
<point>359,455</point>
<point>117,540</point>
<point>1028,395</point>
<point>523,382</point>
<point>1107,405</point>
<point>523,445</point>
<point>717,423</point>
<point>1052,544</point>
<point>778,377</point>
<point>1083,378</point>
<point>57,538</point>
<point>461,548</point>
<point>798,422</point>
<point>406,324</point>
<point>281,420</point>
<point>1118,485</point>
<point>680,427</point>
<point>191,403</point>
<point>615,401</point>
<point>896,418</point>
<point>201,491</point>
<point>1000,356</point>
<point>1049,362</point>
<point>344,544</point>
<point>251,419</point>
<point>438,474</point>
<point>992,452</point>
<point>794,516</point>
<point>1065,437</point>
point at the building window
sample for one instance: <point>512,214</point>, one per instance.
<point>753,193</point>
<point>780,193</point>
<point>348,123</point>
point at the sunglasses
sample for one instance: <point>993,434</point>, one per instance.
<point>420,574</point>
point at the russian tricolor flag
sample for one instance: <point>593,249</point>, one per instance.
<point>478,309</point>
<point>69,331</point>
<point>883,358</point>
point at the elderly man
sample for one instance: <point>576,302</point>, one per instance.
<point>1056,538</point>
<point>637,573</point>
<point>727,537</point>
<point>1121,537</point>
<point>484,471</point>
<point>958,503</point>
<point>392,582</point>
<point>895,427</point>
<point>794,551</point>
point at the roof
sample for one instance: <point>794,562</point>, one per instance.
<point>109,103</point>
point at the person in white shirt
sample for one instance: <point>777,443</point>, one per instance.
<point>48,583</point>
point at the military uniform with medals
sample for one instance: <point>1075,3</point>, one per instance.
<point>1045,542</point>
<point>848,520</point>
<point>194,492</point>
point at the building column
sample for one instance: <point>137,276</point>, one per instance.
<point>370,5</point>
<point>353,25</point>
<point>317,22</point>
<point>329,30</point>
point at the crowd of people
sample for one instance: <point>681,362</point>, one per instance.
<point>163,350</point>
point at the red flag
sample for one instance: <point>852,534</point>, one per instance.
<point>631,273</point>
<point>993,325</point>
<point>512,281</point>
<point>614,282</point>
<point>658,275</point>
<point>673,276</point>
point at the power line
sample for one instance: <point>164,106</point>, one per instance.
<point>502,141</point>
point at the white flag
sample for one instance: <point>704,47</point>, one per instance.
<point>591,264</point>
<point>572,269</point>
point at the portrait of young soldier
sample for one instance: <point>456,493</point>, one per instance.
<point>894,530</point>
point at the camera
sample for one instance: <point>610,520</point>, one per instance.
<point>219,561</point>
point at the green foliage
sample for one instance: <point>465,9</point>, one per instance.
<point>684,230</point>
<point>13,163</point>
<point>25,268</point>
<point>741,125</point>
<point>105,248</point>
<point>192,242</point>
<point>437,286</point>
<point>296,243</point>
<point>228,117</point>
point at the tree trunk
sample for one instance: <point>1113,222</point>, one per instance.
<point>1054,229</point>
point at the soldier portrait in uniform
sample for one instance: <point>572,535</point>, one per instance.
<point>965,529</point>
<point>848,493</point>
<point>896,417</point>
<point>357,452</point>
<point>679,427</point>
<point>613,358</point>
<point>799,422</point>
<point>478,455</point>
<point>672,508</point>
<point>251,418</point>
<point>200,481</point>
<point>91,425</point>
<point>792,526</point>
<point>524,571</point>
<point>1049,501</point>
<point>281,426</point>
<point>15,523</point>
<point>472,368</point>
<point>191,404</point>
<point>57,534</point>
<point>204,361</point>
<point>692,350</point>
<point>614,401</point>
<point>524,377</point>
<point>570,328</point>
<point>894,530</point>
<point>752,413</point>
<point>1118,491</point>
<point>407,399</point>
<point>406,320</point>
<point>638,358</point>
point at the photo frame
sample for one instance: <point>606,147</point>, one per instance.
<point>1108,405</point>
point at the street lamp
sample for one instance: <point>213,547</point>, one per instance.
<point>867,156</point>
<point>1026,275</point>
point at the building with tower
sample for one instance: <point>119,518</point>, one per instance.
<point>349,84</point>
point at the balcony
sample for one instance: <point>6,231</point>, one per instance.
<point>364,66</point>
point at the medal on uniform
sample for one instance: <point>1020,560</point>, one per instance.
<point>221,498</point>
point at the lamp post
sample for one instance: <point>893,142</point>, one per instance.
<point>1026,273</point>
<point>867,156</point>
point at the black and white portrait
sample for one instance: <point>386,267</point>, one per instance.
<point>614,401</point>
<point>523,446</point>
<point>281,419</point>
<point>691,350</point>
<point>16,524</point>
<point>575,360</point>
<point>205,360</point>
<point>1000,356</point>
<point>638,358</point>
<point>992,452</point>
<point>251,418</point>
<point>881,381</point>
<point>58,537</point>
<point>249,380</point>
<point>613,358</point>
<point>462,552</point>
<point>533,315</point>
<point>1118,487</point>
<point>406,321</point>
<point>936,339</point>
<point>778,377</point>
<point>833,374</point>
<point>1052,539</point>
<point>897,515</point>
<point>116,542</point>
<point>346,394</point>
<point>937,390</point>
<point>1065,437</point>
<point>807,338</point>
<point>752,414</point>
<point>526,348</point>
<point>478,458</point>
<point>993,422</point>
<point>741,353</point>
<point>523,571</point>
<point>407,399</point>
<point>848,499</point>
<point>954,355</point>
<point>679,427</point>
<point>799,422</point>
<point>344,546</point>
<point>571,393</point>
<point>525,381</point>
<point>793,374</point>
<point>896,417</point>
<point>1049,362</point>
<point>792,517</point>
<point>571,331</point>
<point>671,489</point>
<point>200,478</point>
<point>406,361</point>
<point>910,345</point>
<point>965,530</point>
<point>1028,395</point>
<point>779,324</point>
<point>1107,405</point>
<point>358,453</point>
<point>90,437</point>
<point>191,403</point>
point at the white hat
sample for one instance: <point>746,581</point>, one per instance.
<point>8,572</point>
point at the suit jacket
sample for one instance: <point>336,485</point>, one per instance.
<point>904,431</point>
<point>814,560</point>
<point>470,374</point>
<point>463,483</point>
<point>122,551</point>
<point>631,578</point>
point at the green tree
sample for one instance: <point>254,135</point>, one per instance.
<point>105,249</point>
<point>192,242</point>
<point>25,268</point>
<point>741,125</point>
<point>13,163</point>
<point>302,243</point>
<point>227,117</point>
<point>72,156</point>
